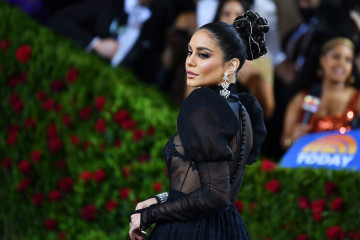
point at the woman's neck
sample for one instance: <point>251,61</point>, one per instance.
<point>333,86</point>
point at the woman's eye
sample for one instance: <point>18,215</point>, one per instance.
<point>188,52</point>
<point>203,55</point>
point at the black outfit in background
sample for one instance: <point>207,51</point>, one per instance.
<point>87,19</point>
<point>206,159</point>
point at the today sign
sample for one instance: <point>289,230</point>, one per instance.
<point>325,150</point>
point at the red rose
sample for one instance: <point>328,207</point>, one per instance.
<point>66,184</point>
<point>85,113</point>
<point>15,102</point>
<point>5,44</point>
<point>302,237</point>
<point>138,135</point>
<point>54,144</point>
<point>124,193</point>
<point>99,176</point>
<point>330,188</point>
<point>37,198</point>
<point>157,187</point>
<point>318,206</point>
<point>117,143</point>
<point>60,164</point>
<point>151,131</point>
<point>41,95</point>
<point>111,205</point>
<point>304,203</point>
<point>334,232</point>
<point>54,195</point>
<point>24,184</point>
<point>50,224</point>
<point>72,75</point>
<point>121,116</point>
<point>6,163</point>
<point>100,125</point>
<point>128,124</point>
<point>273,186</point>
<point>66,120</point>
<point>24,166</point>
<point>52,131</point>
<point>143,158</point>
<point>62,235</point>
<point>30,124</point>
<point>337,204</point>
<point>89,212</point>
<point>86,176</point>
<point>57,85</point>
<point>100,102</point>
<point>239,206</point>
<point>11,140</point>
<point>48,104</point>
<point>36,155</point>
<point>75,140</point>
<point>23,53</point>
<point>267,165</point>
<point>354,236</point>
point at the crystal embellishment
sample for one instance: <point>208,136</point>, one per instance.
<point>225,85</point>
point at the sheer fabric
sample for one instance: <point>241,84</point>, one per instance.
<point>206,160</point>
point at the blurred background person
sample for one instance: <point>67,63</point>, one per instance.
<point>130,33</point>
<point>257,77</point>
<point>339,106</point>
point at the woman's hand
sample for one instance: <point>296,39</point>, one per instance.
<point>146,203</point>
<point>299,130</point>
<point>135,232</point>
<point>106,48</point>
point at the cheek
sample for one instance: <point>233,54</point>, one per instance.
<point>208,67</point>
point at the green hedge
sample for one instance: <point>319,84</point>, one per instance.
<point>81,142</point>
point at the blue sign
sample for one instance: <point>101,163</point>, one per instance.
<point>329,149</point>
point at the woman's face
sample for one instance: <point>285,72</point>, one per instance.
<point>230,11</point>
<point>337,63</point>
<point>205,61</point>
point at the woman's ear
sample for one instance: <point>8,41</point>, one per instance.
<point>231,66</point>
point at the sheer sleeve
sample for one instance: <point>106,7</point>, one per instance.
<point>206,125</point>
<point>213,194</point>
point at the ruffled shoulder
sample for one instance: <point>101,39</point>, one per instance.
<point>257,122</point>
<point>207,125</point>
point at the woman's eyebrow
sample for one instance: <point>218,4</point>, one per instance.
<point>203,48</point>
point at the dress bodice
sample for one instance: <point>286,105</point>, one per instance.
<point>206,157</point>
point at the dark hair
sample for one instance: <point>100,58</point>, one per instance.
<point>245,39</point>
<point>222,3</point>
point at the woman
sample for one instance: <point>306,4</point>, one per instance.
<point>339,102</point>
<point>256,76</point>
<point>219,130</point>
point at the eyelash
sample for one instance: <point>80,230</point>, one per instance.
<point>201,55</point>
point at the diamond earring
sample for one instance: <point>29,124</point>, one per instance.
<point>225,85</point>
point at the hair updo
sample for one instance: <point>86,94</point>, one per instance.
<point>244,39</point>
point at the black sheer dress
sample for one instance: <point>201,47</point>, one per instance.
<point>206,159</point>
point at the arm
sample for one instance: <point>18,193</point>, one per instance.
<point>293,129</point>
<point>213,194</point>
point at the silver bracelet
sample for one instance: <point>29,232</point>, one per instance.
<point>162,197</point>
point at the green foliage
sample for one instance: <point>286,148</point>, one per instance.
<point>81,143</point>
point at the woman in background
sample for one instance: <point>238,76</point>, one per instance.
<point>219,131</point>
<point>256,76</point>
<point>339,105</point>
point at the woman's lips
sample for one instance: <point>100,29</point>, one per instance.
<point>190,74</point>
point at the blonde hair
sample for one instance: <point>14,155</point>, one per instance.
<point>335,41</point>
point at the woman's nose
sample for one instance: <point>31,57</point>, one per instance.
<point>190,61</point>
